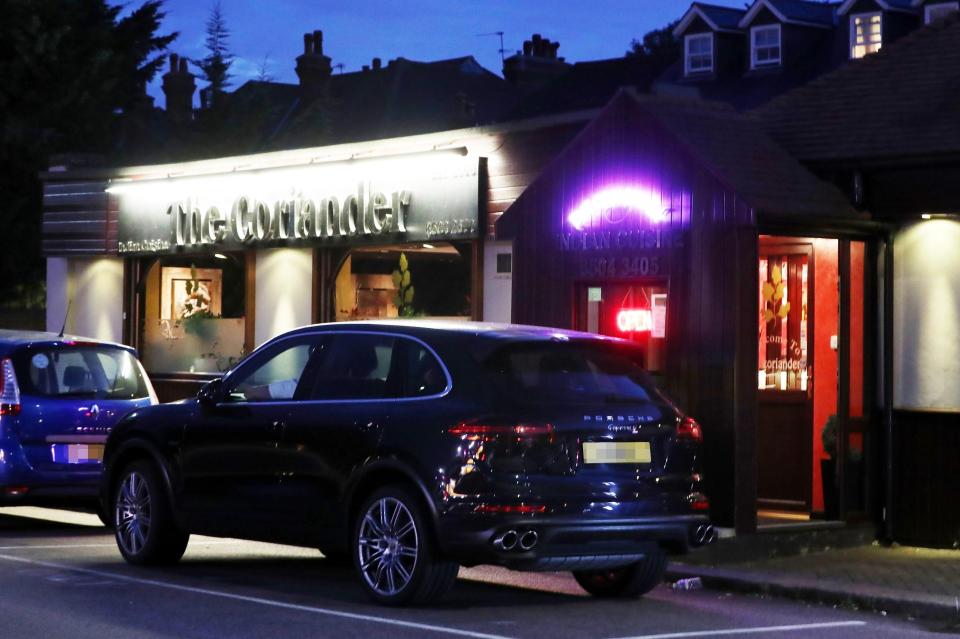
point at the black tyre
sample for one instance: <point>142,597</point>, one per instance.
<point>394,551</point>
<point>630,581</point>
<point>143,523</point>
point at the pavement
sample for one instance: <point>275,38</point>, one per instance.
<point>61,576</point>
<point>905,581</point>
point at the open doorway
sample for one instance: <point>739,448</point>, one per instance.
<point>798,376</point>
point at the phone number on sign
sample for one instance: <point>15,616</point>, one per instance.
<point>619,266</point>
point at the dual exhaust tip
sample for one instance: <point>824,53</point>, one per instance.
<point>517,540</point>
<point>704,535</point>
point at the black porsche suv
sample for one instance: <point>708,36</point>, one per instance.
<point>413,447</point>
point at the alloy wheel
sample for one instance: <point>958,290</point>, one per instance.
<point>132,513</point>
<point>388,546</point>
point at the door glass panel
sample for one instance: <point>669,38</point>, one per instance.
<point>276,378</point>
<point>783,298</point>
<point>357,366</point>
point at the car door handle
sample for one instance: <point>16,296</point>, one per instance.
<point>277,426</point>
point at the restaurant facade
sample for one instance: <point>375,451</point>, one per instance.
<point>766,300</point>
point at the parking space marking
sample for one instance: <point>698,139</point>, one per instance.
<point>257,600</point>
<point>104,545</point>
<point>750,631</point>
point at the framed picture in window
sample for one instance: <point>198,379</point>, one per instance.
<point>185,291</point>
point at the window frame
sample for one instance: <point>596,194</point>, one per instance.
<point>949,6</point>
<point>687,39</point>
<point>766,64</point>
<point>868,18</point>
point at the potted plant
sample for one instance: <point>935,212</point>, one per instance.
<point>828,468</point>
<point>403,300</point>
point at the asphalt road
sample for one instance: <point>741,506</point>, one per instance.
<point>62,577</point>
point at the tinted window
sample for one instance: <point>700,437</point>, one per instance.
<point>276,377</point>
<point>564,372</point>
<point>357,366</point>
<point>422,373</point>
<point>102,372</point>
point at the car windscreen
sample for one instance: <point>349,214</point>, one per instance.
<point>82,371</point>
<point>570,372</point>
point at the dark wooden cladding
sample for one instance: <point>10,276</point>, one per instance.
<point>79,218</point>
<point>518,161</point>
<point>707,259</point>
<point>925,473</point>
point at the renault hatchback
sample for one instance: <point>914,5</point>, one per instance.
<point>411,448</point>
<point>59,398</point>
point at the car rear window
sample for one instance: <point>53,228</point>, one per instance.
<point>570,372</point>
<point>101,372</point>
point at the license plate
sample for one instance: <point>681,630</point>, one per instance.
<point>77,453</point>
<point>616,452</point>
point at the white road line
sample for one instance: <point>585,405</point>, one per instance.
<point>110,545</point>
<point>750,631</point>
<point>258,600</point>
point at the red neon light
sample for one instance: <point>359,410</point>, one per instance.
<point>635,320</point>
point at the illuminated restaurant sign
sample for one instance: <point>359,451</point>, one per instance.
<point>407,199</point>
<point>634,320</point>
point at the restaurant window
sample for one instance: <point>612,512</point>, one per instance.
<point>633,311</point>
<point>409,280</point>
<point>698,53</point>
<point>193,313</point>
<point>765,46</point>
<point>866,34</point>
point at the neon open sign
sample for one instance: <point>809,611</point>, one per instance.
<point>635,320</point>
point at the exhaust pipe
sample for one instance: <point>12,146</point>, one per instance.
<point>507,541</point>
<point>529,539</point>
<point>704,535</point>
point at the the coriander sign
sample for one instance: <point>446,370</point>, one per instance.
<point>431,197</point>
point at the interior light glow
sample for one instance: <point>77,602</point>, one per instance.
<point>220,256</point>
<point>429,246</point>
<point>627,198</point>
<point>635,320</point>
<point>926,216</point>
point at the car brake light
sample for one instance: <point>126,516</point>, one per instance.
<point>698,501</point>
<point>9,389</point>
<point>523,430</point>
<point>688,429</point>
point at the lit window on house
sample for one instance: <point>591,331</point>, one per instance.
<point>699,53</point>
<point>765,46</point>
<point>865,34</point>
<point>934,12</point>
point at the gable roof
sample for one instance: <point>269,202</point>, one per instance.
<point>821,15</point>
<point>901,101</point>
<point>588,85</point>
<point>717,18</point>
<point>905,6</point>
<point>724,143</point>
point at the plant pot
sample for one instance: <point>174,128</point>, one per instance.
<point>828,479</point>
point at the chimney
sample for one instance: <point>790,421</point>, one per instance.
<point>534,66</point>
<point>178,87</point>
<point>377,63</point>
<point>313,68</point>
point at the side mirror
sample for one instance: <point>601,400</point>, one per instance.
<point>209,393</point>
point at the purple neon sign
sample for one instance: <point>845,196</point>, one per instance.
<point>636,199</point>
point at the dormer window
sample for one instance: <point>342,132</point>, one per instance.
<point>866,34</point>
<point>698,56</point>
<point>765,46</point>
<point>934,12</point>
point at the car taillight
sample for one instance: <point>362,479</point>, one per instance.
<point>698,501</point>
<point>9,390</point>
<point>689,430</point>
<point>481,430</point>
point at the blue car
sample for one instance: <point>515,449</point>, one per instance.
<point>59,398</point>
